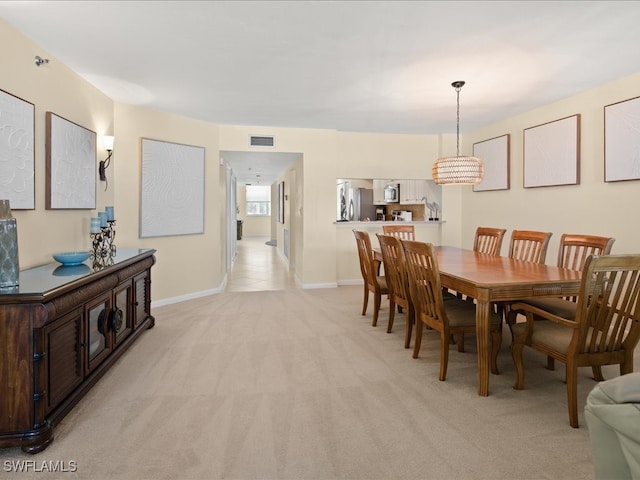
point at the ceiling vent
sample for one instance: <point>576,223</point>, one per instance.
<point>262,141</point>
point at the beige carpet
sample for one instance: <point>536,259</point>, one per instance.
<point>298,385</point>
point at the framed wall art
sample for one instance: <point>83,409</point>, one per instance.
<point>70,165</point>
<point>17,154</point>
<point>496,157</point>
<point>552,153</point>
<point>622,141</point>
<point>172,189</point>
<point>281,202</point>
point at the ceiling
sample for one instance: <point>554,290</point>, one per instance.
<point>358,66</point>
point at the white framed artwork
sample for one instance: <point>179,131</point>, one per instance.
<point>495,154</point>
<point>552,153</point>
<point>70,165</point>
<point>622,141</point>
<point>172,189</point>
<point>17,153</point>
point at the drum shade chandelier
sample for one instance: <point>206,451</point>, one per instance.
<point>457,170</point>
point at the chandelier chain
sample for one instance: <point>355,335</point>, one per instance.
<point>458,121</point>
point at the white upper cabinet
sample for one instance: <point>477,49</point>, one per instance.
<point>412,191</point>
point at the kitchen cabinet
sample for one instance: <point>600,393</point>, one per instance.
<point>378,191</point>
<point>61,330</point>
<point>412,192</point>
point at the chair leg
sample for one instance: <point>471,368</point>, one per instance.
<point>366,299</point>
<point>597,372</point>
<point>510,320</point>
<point>392,315</point>
<point>460,342</point>
<point>409,326</point>
<point>496,343</point>
<point>444,356</point>
<point>627,364</point>
<point>377,300</point>
<point>572,394</point>
<point>416,345</point>
<point>516,353</point>
<point>551,364</point>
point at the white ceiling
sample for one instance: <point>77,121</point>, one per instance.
<point>381,66</point>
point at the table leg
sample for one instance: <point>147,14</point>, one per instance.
<point>484,345</point>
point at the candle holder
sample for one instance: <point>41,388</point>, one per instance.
<point>104,248</point>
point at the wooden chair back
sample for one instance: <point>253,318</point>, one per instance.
<point>424,284</point>
<point>489,240</point>
<point>394,268</point>
<point>404,232</point>
<point>529,245</point>
<point>608,313</point>
<point>395,271</point>
<point>574,249</point>
<point>365,255</point>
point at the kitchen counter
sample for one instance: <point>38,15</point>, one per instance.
<point>383,222</point>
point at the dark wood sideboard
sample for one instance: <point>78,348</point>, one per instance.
<point>61,329</point>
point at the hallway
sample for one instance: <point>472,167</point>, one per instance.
<point>258,267</point>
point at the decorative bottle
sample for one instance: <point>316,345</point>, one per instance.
<point>9,266</point>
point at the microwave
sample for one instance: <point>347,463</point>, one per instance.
<point>392,193</point>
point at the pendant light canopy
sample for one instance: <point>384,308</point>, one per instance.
<point>457,170</point>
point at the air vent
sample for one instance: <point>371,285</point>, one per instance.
<point>262,141</point>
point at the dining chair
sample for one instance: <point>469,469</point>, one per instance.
<point>529,246</point>
<point>446,317</point>
<point>404,232</point>
<point>604,331</point>
<point>573,251</point>
<point>396,274</point>
<point>373,282</point>
<point>489,240</point>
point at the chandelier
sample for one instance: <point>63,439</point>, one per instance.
<point>457,170</point>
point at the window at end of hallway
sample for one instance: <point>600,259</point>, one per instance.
<point>258,201</point>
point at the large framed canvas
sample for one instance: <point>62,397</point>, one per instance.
<point>70,165</point>
<point>17,153</point>
<point>172,189</point>
<point>552,153</point>
<point>622,141</point>
<point>495,154</point>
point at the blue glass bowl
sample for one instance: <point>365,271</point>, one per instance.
<point>71,258</point>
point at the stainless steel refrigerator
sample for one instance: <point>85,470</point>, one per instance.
<point>355,204</point>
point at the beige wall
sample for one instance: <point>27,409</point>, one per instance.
<point>186,264</point>
<point>53,87</point>
<point>194,265</point>
<point>592,207</point>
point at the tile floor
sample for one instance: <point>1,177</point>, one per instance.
<point>258,267</point>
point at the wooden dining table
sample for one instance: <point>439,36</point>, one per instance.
<point>490,279</point>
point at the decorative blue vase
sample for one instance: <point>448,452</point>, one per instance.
<point>9,266</point>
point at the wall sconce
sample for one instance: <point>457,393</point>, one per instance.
<point>107,141</point>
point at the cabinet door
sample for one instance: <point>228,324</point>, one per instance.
<point>98,338</point>
<point>407,192</point>
<point>378,192</point>
<point>412,191</point>
<point>64,365</point>
<point>141,302</point>
<point>121,319</point>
